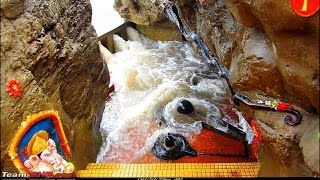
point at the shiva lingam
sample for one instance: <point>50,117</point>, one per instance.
<point>171,146</point>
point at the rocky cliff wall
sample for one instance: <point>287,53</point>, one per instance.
<point>51,48</point>
<point>271,53</point>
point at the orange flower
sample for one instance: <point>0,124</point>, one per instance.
<point>14,88</point>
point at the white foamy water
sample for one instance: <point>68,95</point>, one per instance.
<point>150,79</point>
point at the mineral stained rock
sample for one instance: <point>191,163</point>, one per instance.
<point>271,53</point>
<point>52,49</point>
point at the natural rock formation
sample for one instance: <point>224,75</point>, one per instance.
<point>139,11</point>
<point>52,49</point>
<point>163,31</point>
<point>271,53</point>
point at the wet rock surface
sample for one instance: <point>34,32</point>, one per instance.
<point>271,53</point>
<point>162,31</point>
<point>52,49</point>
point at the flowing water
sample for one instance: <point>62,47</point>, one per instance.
<point>150,79</point>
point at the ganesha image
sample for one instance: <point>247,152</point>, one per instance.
<point>40,146</point>
<point>43,155</point>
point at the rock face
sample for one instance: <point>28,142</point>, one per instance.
<point>52,49</point>
<point>271,53</point>
<point>139,11</point>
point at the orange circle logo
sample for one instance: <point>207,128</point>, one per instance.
<point>305,8</point>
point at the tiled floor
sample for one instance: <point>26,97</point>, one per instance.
<point>182,170</point>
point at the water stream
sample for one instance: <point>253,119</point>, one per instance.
<point>150,79</point>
